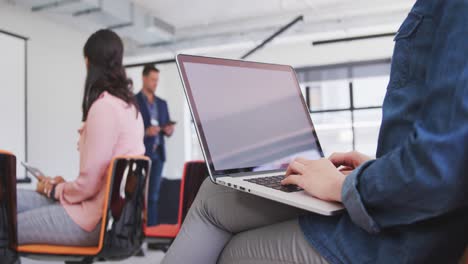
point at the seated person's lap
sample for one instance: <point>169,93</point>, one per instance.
<point>277,243</point>
<point>43,221</point>
<point>243,227</point>
<point>236,211</point>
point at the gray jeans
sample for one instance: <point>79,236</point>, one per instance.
<point>43,221</point>
<point>227,226</point>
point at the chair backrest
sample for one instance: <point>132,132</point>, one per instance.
<point>122,228</point>
<point>8,199</point>
<point>195,172</point>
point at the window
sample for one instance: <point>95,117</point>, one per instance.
<point>334,131</point>
<point>369,84</point>
<point>345,103</point>
<point>366,130</point>
<point>196,152</point>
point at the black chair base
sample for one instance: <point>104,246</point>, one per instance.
<point>140,253</point>
<point>159,244</point>
<point>58,258</point>
<point>84,261</point>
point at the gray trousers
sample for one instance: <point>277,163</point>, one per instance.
<point>43,221</point>
<point>227,226</point>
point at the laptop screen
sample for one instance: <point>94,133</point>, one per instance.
<point>250,116</point>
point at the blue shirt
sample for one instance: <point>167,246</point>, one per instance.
<point>410,204</point>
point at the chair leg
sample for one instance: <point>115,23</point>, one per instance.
<point>84,261</point>
<point>164,247</point>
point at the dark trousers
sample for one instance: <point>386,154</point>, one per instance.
<point>153,191</point>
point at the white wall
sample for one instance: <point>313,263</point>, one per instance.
<point>12,90</point>
<point>56,75</point>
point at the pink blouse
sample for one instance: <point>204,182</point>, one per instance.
<point>112,129</point>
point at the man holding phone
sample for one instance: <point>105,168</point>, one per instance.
<point>158,125</point>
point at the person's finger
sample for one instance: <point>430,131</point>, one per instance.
<point>345,168</point>
<point>59,179</point>
<point>39,187</point>
<point>294,179</point>
<point>47,179</point>
<point>290,170</point>
<point>48,189</point>
<point>301,160</point>
<point>346,172</point>
<point>295,167</point>
<point>341,159</point>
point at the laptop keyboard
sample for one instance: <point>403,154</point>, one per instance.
<point>274,182</point>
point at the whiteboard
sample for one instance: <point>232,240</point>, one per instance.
<point>12,98</point>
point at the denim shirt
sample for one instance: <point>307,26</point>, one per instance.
<point>410,204</point>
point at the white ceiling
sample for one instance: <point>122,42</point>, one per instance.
<point>189,13</point>
<point>184,14</point>
<point>183,24</point>
<point>221,22</point>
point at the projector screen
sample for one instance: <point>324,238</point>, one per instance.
<point>12,97</point>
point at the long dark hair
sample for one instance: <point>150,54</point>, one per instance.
<point>104,51</point>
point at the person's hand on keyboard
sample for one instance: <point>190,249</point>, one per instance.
<point>347,162</point>
<point>320,178</point>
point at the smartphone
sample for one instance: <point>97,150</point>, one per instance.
<point>32,170</point>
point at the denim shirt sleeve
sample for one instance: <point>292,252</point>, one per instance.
<point>426,176</point>
<point>353,202</point>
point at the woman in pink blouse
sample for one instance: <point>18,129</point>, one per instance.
<point>69,213</point>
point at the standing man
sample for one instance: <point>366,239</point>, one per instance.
<point>158,125</point>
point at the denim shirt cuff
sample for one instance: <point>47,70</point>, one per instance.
<point>353,202</point>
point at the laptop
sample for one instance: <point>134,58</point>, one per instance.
<point>252,121</point>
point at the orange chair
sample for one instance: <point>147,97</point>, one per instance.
<point>122,229</point>
<point>8,242</point>
<point>161,236</point>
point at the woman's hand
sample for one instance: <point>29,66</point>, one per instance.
<point>319,178</point>
<point>347,162</point>
<point>45,184</point>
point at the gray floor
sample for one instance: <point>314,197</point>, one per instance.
<point>151,257</point>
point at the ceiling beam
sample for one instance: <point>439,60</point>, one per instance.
<point>273,36</point>
<point>361,37</point>
<point>50,5</point>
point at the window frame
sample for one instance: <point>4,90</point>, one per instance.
<point>350,77</point>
